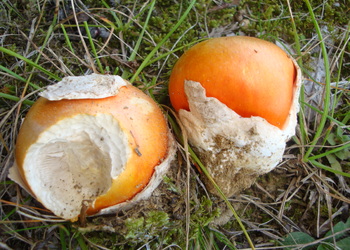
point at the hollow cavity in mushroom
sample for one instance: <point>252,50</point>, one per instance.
<point>75,161</point>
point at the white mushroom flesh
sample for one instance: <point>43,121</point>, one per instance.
<point>76,160</point>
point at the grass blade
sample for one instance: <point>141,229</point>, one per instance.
<point>345,146</point>
<point>228,203</point>
<point>194,157</point>
<point>137,45</point>
<point>30,62</point>
<point>92,44</point>
<point>66,37</point>
<point>18,76</point>
<point>16,99</point>
<point>327,87</point>
<point>334,171</point>
<point>150,55</point>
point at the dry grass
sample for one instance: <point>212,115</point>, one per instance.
<point>304,194</point>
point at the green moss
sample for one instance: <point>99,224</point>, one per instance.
<point>154,226</point>
<point>203,214</point>
<point>158,228</point>
<point>171,185</point>
<point>104,239</point>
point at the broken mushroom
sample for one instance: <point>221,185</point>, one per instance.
<point>94,141</point>
<point>237,98</point>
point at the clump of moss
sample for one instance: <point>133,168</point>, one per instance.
<point>154,227</point>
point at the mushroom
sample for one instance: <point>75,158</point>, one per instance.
<point>94,141</point>
<point>237,98</point>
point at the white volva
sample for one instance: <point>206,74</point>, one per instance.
<point>234,149</point>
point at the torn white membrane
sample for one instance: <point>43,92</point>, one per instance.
<point>234,149</point>
<point>94,86</point>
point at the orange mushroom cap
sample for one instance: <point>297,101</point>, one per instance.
<point>251,76</point>
<point>76,143</point>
